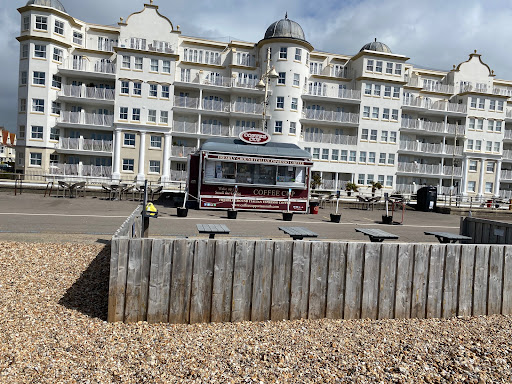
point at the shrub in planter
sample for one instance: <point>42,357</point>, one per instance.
<point>351,187</point>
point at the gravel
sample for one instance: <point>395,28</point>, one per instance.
<point>53,304</point>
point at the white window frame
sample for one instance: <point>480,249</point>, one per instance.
<point>155,141</point>
<point>40,51</point>
<point>41,23</point>
<point>38,78</point>
<point>164,117</point>
<point>154,166</point>
<point>36,132</point>
<point>278,127</point>
<point>128,165</point>
<point>36,159</point>
<point>59,27</point>
<point>152,116</point>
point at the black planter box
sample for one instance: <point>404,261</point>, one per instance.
<point>335,218</point>
<point>232,214</point>
<point>387,219</point>
<point>182,212</point>
<point>287,216</point>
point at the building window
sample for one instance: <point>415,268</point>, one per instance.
<point>59,27</point>
<point>152,115</point>
<point>296,80</point>
<point>344,155</point>
<point>40,50</point>
<point>137,89</point>
<point>362,156</point>
<point>154,65</point>
<point>283,53</point>
<point>398,69</point>
<point>54,134</point>
<point>39,78</point>
<point>56,81</point>
<point>371,157</point>
<point>471,186</point>
<point>23,105</point>
<point>492,105</point>
<point>166,66</point>
<point>488,146</point>
<point>77,38</point>
<point>24,51</point>
<point>385,113</point>
<point>153,90</point>
<point>387,91</point>
<point>470,145</point>
<point>376,90</point>
<point>488,187</point>
<point>278,128</point>
<point>378,66</point>
<point>392,137</point>
<point>481,103</point>
<point>364,134</point>
<point>352,156</point>
<point>55,108</point>
<point>154,166</point>
<point>293,128</point>
<point>394,114</point>
<point>128,165</point>
<point>490,167</point>
<point>389,68</point>
<point>391,158</point>
<point>396,92</point>
<point>138,62</point>
<point>136,114</point>
<point>155,141</point>
<point>360,178</point>
<point>384,136</point>
<point>369,65</point>
<point>308,149</point>
<point>366,111</point>
<point>471,123</point>
<point>57,54</point>
<point>21,132</point>
<point>389,181</point>
<point>500,105</point>
<point>478,146</point>
<point>380,179</point>
<point>294,104</point>
<point>165,91</point>
<point>37,132</point>
<point>123,113</point>
<point>472,165</point>
<point>382,158</point>
<point>23,78</point>
<point>37,105</point>
<point>164,117</point>
<point>334,154</point>
<point>473,102</point>
<point>375,113</point>
<point>41,23</point>
<point>498,126</point>
<point>282,78</point>
<point>125,87</point>
<point>369,179</point>
<point>368,89</point>
<point>36,159</point>
<point>129,139</point>
<point>490,125</point>
<point>26,23</point>
<point>280,102</point>
<point>373,135</point>
<point>126,62</point>
<point>497,146</point>
<point>325,154</point>
<point>298,54</point>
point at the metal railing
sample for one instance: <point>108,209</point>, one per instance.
<point>216,105</point>
<point>246,83</point>
<point>214,130</point>
<point>220,81</point>
<point>506,174</point>
<point>82,144</point>
<point>86,118</point>
<point>80,170</point>
<point>439,105</point>
<point>507,154</point>
<point>181,151</point>
<point>253,108</point>
<point>429,169</point>
<point>431,126</point>
<point>184,126</point>
<point>87,92</point>
<point>437,148</point>
<point>440,88</point>
<point>351,94</point>
<point>508,134</point>
<point>330,138</point>
<point>86,65</point>
<point>340,117</point>
<point>186,102</point>
<point>178,175</point>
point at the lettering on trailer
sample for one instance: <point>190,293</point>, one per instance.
<point>254,137</point>
<point>263,160</point>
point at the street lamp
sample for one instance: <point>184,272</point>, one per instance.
<point>270,73</point>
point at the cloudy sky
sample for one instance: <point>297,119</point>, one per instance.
<point>434,34</point>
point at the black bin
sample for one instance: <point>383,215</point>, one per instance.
<point>426,199</point>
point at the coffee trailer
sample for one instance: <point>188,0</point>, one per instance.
<point>250,173</point>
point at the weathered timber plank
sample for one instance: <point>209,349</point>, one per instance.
<point>318,279</point>
<point>144,278</point>
<point>494,295</point>
<point>112,281</point>
<point>435,281</point>
<point>420,280</point>
<point>222,281</point>
<point>300,280</point>
<point>202,281</point>
<point>354,277</point>
<point>242,281</point>
<point>404,278</point>
<point>467,265</point>
<point>133,282</point>
<point>370,296</point>
<point>281,281</point>
<point>181,281</point>
<point>262,281</point>
<point>158,296</point>
<point>336,280</point>
<point>480,280</point>
<point>451,280</point>
<point>387,281</point>
<point>507,282</point>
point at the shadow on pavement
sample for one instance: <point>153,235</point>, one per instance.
<point>89,294</point>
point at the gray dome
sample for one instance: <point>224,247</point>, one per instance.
<point>376,46</point>
<point>48,3</point>
<point>285,28</point>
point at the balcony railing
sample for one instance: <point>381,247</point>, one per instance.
<point>82,144</point>
<point>253,108</point>
<point>509,113</point>
<point>340,117</point>
<point>507,154</point>
<point>352,94</point>
<point>80,170</point>
<point>161,48</point>
<point>437,148</point>
<point>431,126</point>
<point>330,138</point>
<point>448,170</point>
<point>184,127</point>
<point>506,194</point>
<point>429,169</point>
<point>87,92</point>
<point>485,89</point>
<point>441,88</point>
<point>89,66</point>
<point>216,105</point>
<point>439,105</point>
<point>508,134</point>
<point>181,151</point>
<point>178,175</point>
<point>246,83</point>
<point>506,174</point>
<point>186,102</point>
<point>214,130</point>
<point>219,81</point>
<point>86,118</point>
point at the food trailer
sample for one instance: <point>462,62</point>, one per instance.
<point>250,173</point>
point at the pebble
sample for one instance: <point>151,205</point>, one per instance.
<point>53,329</point>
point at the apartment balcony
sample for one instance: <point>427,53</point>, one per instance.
<point>331,116</point>
<point>216,105</point>
<point>431,148</point>
<point>81,145</point>
<point>508,134</point>
<point>433,127</point>
<point>182,151</point>
<point>506,174</point>
<point>88,120</point>
<point>439,88</point>
<point>506,194</point>
<point>87,95</point>
<point>247,108</point>
<point>80,170</point>
<point>468,88</point>
<point>214,130</point>
<point>313,93</point>
<point>184,127</point>
<point>161,48</point>
<point>178,175</point>
<point>429,169</point>
<point>86,68</point>
<point>186,102</point>
<point>508,114</point>
<point>421,103</point>
<point>329,138</point>
<point>507,154</point>
<point>219,81</point>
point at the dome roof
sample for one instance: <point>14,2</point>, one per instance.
<point>376,46</point>
<point>48,3</point>
<point>285,28</point>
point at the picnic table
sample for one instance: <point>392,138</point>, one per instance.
<point>298,233</point>
<point>447,237</point>
<point>377,235</point>
<point>213,229</point>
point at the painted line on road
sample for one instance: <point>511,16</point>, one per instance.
<point>62,215</point>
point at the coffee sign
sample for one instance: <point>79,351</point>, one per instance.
<point>254,137</point>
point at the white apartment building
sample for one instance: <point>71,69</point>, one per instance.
<point>131,101</point>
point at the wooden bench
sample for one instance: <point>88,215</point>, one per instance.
<point>213,229</point>
<point>447,237</point>
<point>298,233</point>
<point>377,235</point>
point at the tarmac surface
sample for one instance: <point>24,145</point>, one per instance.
<point>35,218</point>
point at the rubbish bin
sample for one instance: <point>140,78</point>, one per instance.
<point>489,203</point>
<point>313,207</point>
<point>426,199</point>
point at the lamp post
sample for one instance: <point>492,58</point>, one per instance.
<point>270,73</point>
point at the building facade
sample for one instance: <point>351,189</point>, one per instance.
<point>131,101</point>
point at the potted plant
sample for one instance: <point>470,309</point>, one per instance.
<point>387,218</point>
<point>336,217</point>
<point>288,216</point>
<point>233,212</point>
<point>183,210</point>
<point>375,185</point>
<point>351,187</point>
<point>316,181</point>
